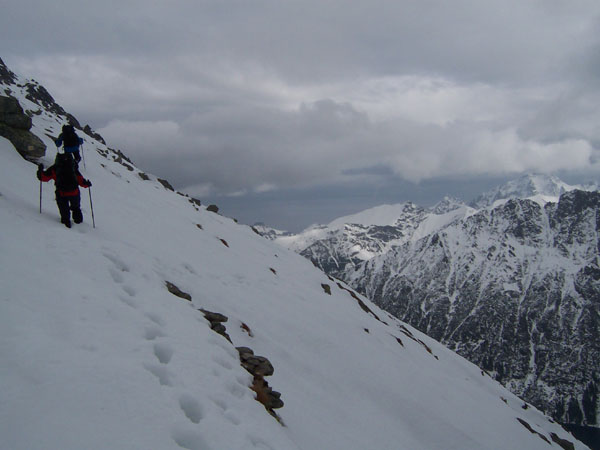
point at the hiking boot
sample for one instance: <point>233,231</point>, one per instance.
<point>66,223</point>
<point>77,216</point>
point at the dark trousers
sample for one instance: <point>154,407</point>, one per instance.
<point>68,204</point>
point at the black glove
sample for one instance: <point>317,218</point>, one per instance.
<point>39,171</point>
<point>89,183</point>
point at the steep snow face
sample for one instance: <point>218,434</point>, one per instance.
<point>97,353</point>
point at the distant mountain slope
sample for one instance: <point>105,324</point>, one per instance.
<point>514,289</point>
<point>512,286</point>
<point>103,345</point>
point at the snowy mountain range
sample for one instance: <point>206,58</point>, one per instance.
<point>156,329</point>
<point>511,282</point>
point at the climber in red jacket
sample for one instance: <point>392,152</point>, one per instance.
<point>67,180</point>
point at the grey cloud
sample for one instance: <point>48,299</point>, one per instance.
<point>242,97</point>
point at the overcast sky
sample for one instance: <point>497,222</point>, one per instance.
<point>295,112</point>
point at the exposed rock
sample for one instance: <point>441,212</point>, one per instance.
<point>88,130</point>
<point>261,367</point>
<point>326,288</point>
<point>166,184</point>
<point>216,322</point>
<point>15,126</point>
<point>143,176</point>
<point>256,365</point>
<point>567,445</point>
<point>6,75</point>
<point>213,208</point>
<point>532,431</point>
<point>12,115</point>
<point>247,329</point>
<point>195,201</point>
<point>177,292</point>
<point>213,317</point>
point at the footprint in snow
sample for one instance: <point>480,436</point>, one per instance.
<point>160,372</point>
<point>156,319</point>
<point>153,332</point>
<point>191,408</point>
<point>163,352</point>
<point>117,262</point>
<point>190,440</point>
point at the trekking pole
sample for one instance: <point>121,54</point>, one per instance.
<point>40,196</point>
<point>83,157</point>
<point>92,206</point>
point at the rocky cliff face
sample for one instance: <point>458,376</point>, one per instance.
<point>515,289</point>
<point>16,119</point>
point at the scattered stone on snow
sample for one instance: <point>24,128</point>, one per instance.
<point>88,130</point>
<point>177,292</point>
<point>195,201</point>
<point>326,288</point>
<point>216,322</point>
<point>213,208</point>
<point>247,329</point>
<point>261,367</point>
<point>258,366</point>
<point>166,184</point>
<point>532,431</point>
<point>567,445</point>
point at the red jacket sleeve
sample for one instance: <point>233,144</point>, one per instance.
<point>82,181</point>
<point>47,175</point>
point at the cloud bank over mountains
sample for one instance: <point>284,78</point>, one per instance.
<point>238,98</point>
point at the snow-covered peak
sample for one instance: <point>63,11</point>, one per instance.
<point>269,232</point>
<point>537,187</point>
<point>379,215</point>
<point>447,205</point>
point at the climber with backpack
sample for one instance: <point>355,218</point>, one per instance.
<point>67,180</point>
<point>70,140</point>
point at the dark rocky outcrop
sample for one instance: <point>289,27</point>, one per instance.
<point>15,126</point>
<point>213,208</point>
<point>6,75</point>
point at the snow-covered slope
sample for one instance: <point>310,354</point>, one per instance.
<point>98,354</point>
